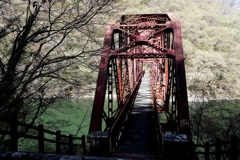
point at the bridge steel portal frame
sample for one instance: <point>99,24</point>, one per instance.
<point>129,43</point>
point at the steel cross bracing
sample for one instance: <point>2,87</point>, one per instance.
<point>129,43</point>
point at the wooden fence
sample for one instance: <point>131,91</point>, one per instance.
<point>15,135</point>
<point>219,150</point>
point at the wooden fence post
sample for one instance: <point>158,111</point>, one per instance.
<point>58,144</point>
<point>161,144</point>
<point>192,149</point>
<point>218,149</point>
<point>84,144</point>
<point>70,144</point>
<point>40,138</point>
<point>207,150</point>
<point>234,147</point>
<point>13,134</point>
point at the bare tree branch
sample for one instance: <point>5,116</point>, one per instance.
<point>42,45</point>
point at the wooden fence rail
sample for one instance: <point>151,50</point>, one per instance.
<point>219,150</point>
<point>15,135</point>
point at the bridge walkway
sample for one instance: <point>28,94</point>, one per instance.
<point>139,138</point>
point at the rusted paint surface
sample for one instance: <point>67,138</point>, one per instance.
<point>135,40</point>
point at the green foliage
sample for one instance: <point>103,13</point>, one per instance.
<point>70,116</point>
<point>216,118</point>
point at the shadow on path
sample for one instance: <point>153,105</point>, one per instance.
<point>139,136</point>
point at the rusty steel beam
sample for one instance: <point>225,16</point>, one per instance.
<point>182,99</point>
<point>120,79</point>
<point>98,104</point>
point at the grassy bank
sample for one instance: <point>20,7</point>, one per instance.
<point>70,116</point>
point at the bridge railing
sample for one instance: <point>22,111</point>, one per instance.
<point>159,127</point>
<point>218,150</point>
<point>157,118</point>
<point>116,128</point>
<point>40,136</point>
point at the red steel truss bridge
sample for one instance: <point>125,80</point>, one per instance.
<point>140,109</point>
<point>141,95</point>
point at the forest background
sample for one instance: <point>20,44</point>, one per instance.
<point>49,56</point>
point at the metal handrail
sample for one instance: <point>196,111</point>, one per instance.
<point>115,130</point>
<point>159,127</point>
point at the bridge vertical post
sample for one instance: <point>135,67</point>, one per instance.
<point>130,73</point>
<point>234,147</point>
<point>96,122</point>
<point>40,138</point>
<point>166,96</point>
<point>181,96</point>
<point>13,134</point>
<point>98,104</point>
<point>119,72</point>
